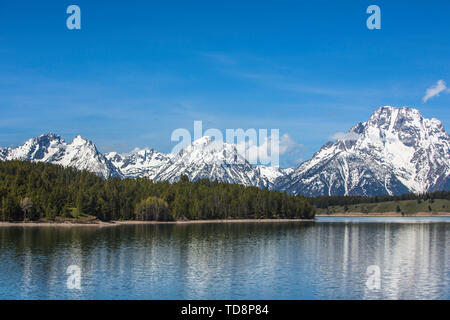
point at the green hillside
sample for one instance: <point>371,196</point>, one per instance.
<point>42,191</point>
<point>405,206</point>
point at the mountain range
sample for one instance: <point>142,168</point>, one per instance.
<point>396,151</point>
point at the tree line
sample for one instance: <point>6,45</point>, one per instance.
<point>35,191</point>
<point>324,202</point>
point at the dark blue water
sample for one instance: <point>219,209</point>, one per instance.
<point>326,259</point>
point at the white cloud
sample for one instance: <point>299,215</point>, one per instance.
<point>435,90</point>
<point>349,136</point>
<point>263,152</point>
<point>287,144</point>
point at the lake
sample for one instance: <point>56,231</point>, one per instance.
<point>325,259</point>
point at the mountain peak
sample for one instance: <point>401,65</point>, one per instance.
<point>79,140</point>
<point>205,140</point>
<point>50,135</point>
<point>141,152</point>
<point>389,112</point>
<point>46,139</point>
<point>206,158</point>
<point>396,151</point>
<point>80,153</point>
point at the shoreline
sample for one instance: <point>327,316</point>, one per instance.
<point>134,222</point>
<point>98,223</point>
<point>386,214</point>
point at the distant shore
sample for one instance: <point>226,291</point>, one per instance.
<point>385,214</point>
<point>99,223</point>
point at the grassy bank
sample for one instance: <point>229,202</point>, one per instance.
<point>98,223</point>
<point>396,207</point>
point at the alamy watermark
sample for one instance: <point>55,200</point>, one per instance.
<point>374,277</point>
<point>74,279</point>
<point>374,20</point>
<point>74,20</point>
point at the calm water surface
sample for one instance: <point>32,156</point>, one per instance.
<point>326,259</point>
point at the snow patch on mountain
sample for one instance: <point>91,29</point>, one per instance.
<point>139,163</point>
<point>396,151</point>
<point>206,158</point>
<point>80,153</point>
<point>271,174</point>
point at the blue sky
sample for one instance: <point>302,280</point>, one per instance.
<point>137,70</point>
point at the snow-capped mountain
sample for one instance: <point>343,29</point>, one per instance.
<point>206,158</point>
<point>395,151</point>
<point>80,153</point>
<point>139,163</point>
<point>272,174</point>
<point>4,153</point>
